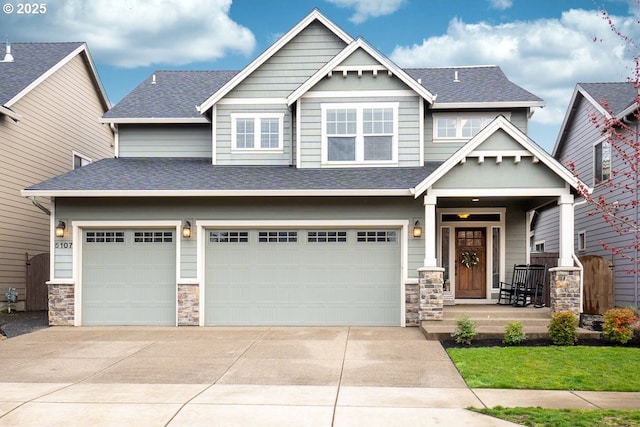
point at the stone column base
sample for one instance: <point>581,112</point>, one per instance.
<point>565,290</point>
<point>411,304</point>
<point>61,304</point>
<point>431,285</point>
<point>188,304</point>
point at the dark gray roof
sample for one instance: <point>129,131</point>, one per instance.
<point>31,60</point>
<point>476,84</point>
<point>153,174</point>
<point>173,95</point>
<point>616,97</point>
<point>176,93</point>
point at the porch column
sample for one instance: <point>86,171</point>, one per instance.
<point>566,230</point>
<point>430,231</point>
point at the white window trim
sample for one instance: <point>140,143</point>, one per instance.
<point>75,154</point>
<point>537,243</point>
<point>459,138</point>
<point>359,107</point>
<point>257,132</point>
<point>582,242</point>
<point>596,178</point>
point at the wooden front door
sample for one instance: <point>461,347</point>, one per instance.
<point>471,263</point>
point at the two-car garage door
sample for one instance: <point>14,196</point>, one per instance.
<point>252,277</point>
<point>302,277</point>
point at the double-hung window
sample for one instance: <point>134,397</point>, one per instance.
<point>257,132</point>
<point>602,161</point>
<point>360,133</point>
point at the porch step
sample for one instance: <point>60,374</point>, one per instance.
<point>491,321</point>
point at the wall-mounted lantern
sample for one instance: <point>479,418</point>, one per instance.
<point>60,229</point>
<point>186,230</point>
<point>417,229</point>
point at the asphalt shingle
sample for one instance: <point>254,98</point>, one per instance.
<point>31,60</point>
<point>617,95</point>
<point>151,174</point>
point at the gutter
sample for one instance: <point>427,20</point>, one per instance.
<point>40,206</point>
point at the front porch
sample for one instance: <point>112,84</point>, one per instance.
<point>491,320</point>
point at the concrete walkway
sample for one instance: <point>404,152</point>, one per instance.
<point>271,376</point>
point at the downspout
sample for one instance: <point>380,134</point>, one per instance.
<point>38,205</point>
<point>635,280</point>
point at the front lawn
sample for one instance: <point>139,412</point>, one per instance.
<point>539,417</point>
<point>550,368</point>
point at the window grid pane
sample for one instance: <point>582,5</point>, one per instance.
<point>245,133</point>
<point>269,133</point>
<point>277,236</point>
<point>153,237</point>
<point>377,236</point>
<point>105,237</point>
<point>446,127</point>
<point>228,236</point>
<point>326,236</point>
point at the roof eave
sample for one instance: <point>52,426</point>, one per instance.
<point>509,104</point>
<point>157,120</point>
<point>216,193</point>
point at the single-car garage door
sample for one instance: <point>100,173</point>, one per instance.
<point>303,277</point>
<point>128,277</point>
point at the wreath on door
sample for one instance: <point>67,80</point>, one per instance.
<point>469,259</point>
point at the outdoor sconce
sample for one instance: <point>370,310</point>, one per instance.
<point>464,215</point>
<point>186,230</point>
<point>60,229</point>
<point>417,230</point>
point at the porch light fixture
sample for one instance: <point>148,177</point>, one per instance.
<point>60,229</point>
<point>463,215</point>
<point>417,230</point>
<point>186,230</point>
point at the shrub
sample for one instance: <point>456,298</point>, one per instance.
<point>563,329</point>
<point>618,324</point>
<point>465,330</point>
<point>513,333</point>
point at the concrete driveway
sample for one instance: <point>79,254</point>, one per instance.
<point>262,376</point>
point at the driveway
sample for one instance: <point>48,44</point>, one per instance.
<point>103,376</point>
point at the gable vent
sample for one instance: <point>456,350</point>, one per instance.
<point>455,77</point>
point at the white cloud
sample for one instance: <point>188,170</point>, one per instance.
<point>128,33</point>
<point>501,4</point>
<point>547,57</point>
<point>365,9</point>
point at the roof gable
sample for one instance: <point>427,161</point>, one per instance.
<point>35,62</point>
<point>476,148</point>
<point>385,65</point>
<point>314,16</point>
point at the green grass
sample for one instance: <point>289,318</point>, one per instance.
<point>550,368</point>
<point>539,417</point>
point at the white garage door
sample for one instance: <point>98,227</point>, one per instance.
<point>303,277</point>
<point>128,277</point>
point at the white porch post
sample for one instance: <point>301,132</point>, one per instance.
<point>566,230</point>
<point>430,231</point>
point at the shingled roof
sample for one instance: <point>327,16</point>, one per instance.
<point>31,61</point>
<point>198,175</point>
<point>617,95</point>
<point>176,93</point>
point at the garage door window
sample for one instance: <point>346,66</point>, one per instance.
<point>153,237</point>
<point>228,237</point>
<point>326,236</point>
<point>277,236</point>
<point>377,236</point>
<point>105,237</point>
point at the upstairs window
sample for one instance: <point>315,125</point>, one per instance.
<point>602,161</point>
<point>257,132</point>
<point>360,133</point>
<point>459,127</point>
<point>80,160</point>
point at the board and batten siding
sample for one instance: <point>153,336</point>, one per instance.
<point>310,112</point>
<point>59,116</point>
<point>225,155</point>
<point>164,140</point>
<point>292,65</point>
<point>252,209</point>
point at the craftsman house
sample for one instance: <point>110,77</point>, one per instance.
<point>581,142</point>
<point>305,189</point>
<point>51,101</point>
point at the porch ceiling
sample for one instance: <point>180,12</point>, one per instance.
<point>466,202</point>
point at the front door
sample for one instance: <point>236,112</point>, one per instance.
<point>471,263</point>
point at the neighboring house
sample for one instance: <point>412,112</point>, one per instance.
<point>50,104</point>
<point>305,189</point>
<point>581,142</point>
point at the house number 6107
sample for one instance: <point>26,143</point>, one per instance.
<point>64,245</point>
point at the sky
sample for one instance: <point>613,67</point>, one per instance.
<point>545,46</point>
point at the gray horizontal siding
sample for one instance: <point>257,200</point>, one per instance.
<point>311,133</point>
<point>224,153</point>
<point>547,228</point>
<point>172,140</point>
<point>292,65</point>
